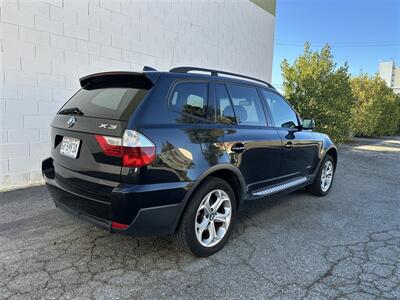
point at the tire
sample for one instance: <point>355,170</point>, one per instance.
<point>193,234</point>
<point>320,187</point>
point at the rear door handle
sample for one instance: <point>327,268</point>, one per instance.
<point>238,148</point>
<point>288,145</point>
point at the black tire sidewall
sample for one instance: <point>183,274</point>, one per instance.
<point>188,221</point>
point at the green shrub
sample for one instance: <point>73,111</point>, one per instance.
<point>318,89</point>
<point>376,111</point>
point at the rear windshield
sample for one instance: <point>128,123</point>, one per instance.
<point>117,103</point>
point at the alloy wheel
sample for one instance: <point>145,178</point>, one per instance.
<point>213,218</point>
<point>326,176</point>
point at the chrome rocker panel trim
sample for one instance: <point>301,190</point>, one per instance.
<point>280,187</point>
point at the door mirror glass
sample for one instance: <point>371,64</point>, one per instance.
<point>308,124</point>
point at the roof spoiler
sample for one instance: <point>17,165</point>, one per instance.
<point>117,76</point>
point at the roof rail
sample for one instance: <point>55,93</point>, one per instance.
<point>216,73</point>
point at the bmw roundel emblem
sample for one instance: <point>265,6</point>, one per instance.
<point>71,122</point>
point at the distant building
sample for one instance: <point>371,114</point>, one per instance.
<point>390,74</point>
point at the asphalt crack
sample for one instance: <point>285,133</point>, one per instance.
<point>290,247</point>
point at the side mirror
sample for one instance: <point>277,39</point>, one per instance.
<point>289,124</point>
<point>308,124</point>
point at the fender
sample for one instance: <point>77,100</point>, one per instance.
<point>220,167</point>
<point>207,173</point>
<point>332,146</point>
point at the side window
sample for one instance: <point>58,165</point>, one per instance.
<point>282,113</point>
<point>224,108</point>
<point>247,105</point>
<point>190,98</point>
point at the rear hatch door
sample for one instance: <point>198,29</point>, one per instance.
<point>102,107</point>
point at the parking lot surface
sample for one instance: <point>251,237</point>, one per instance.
<point>346,245</point>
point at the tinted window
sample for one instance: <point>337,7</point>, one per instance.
<point>282,113</point>
<point>116,103</point>
<point>190,98</point>
<point>247,105</point>
<point>225,112</point>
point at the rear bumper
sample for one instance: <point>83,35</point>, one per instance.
<point>149,209</point>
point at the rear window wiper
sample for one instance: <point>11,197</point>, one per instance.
<point>71,111</point>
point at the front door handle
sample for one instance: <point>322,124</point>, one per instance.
<point>238,148</point>
<point>288,145</point>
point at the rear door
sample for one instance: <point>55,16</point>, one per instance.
<point>300,149</point>
<point>253,146</point>
<point>100,109</point>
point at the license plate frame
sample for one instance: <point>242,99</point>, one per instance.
<point>70,147</point>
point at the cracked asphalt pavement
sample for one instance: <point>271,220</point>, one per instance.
<point>343,246</point>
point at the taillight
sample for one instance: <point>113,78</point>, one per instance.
<point>134,148</point>
<point>137,150</point>
<point>111,146</point>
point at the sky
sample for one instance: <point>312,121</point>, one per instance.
<point>361,32</point>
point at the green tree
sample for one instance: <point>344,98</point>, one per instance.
<point>376,111</point>
<point>318,89</point>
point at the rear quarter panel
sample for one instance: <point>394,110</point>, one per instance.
<point>186,146</point>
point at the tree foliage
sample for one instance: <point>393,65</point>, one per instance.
<point>377,108</point>
<point>318,89</point>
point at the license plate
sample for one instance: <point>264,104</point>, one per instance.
<point>69,147</point>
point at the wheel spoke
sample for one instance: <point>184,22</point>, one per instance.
<point>206,204</point>
<point>220,199</point>
<point>217,204</point>
<point>223,217</point>
<point>212,232</point>
<point>202,226</point>
<point>205,208</point>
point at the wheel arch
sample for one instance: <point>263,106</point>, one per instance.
<point>229,173</point>
<point>333,153</point>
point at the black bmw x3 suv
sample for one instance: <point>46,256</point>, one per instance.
<point>178,152</point>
